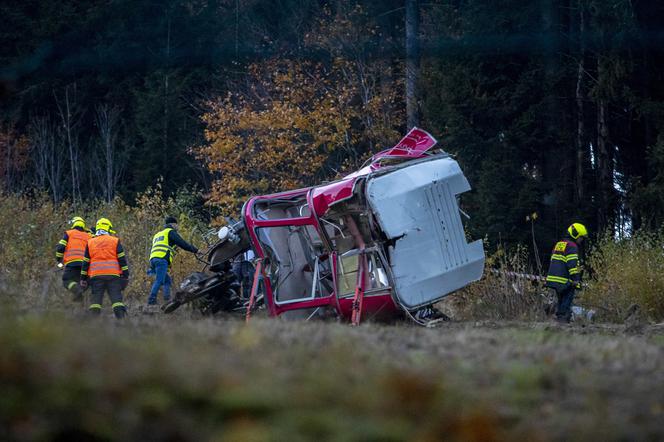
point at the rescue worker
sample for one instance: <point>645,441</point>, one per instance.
<point>564,274</point>
<point>105,264</point>
<point>243,269</point>
<point>164,244</point>
<point>70,252</point>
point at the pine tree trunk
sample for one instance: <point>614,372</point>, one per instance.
<point>604,168</point>
<point>580,127</point>
<point>412,63</point>
<point>166,100</point>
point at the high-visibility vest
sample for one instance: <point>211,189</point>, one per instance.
<point>160,246</point>
<point>103,251</point>
<point>75,249</point>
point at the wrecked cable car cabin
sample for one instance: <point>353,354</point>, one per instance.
<point>384,241</point>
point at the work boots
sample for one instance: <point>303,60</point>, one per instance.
<point>120,311</point>
<point>77,294</point>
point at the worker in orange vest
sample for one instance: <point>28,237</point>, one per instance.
<point>105,264</point>
<point>70,252</point>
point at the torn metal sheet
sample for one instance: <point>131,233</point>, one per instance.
<point>416,205</point>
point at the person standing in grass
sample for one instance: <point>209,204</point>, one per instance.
<point>70,252</point>
<point>106,265</point>
<point>564,274</point>
<point>164,246</point>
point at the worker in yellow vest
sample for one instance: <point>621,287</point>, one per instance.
<point>105,264</point>
<point>164,246</point>
<point>70,253</point>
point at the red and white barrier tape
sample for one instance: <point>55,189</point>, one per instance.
<point>518,275</point>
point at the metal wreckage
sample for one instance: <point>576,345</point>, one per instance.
<point>384,242</point>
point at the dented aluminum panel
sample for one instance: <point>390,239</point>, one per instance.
<point>416,207</point>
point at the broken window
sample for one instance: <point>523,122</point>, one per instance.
<point>349,268</point>
<point>282,208</point>
<point>296,268</point>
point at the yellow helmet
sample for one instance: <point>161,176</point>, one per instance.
<point>104,224</point>
<point>577,230</point>
<point>77,221</point>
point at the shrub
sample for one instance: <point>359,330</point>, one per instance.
<point>626,272</point>
<point>503,292</point>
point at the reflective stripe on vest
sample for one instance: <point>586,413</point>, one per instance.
<point>103,252</point>
<point>75,249</point>
<point>558,279</point>
<point>161,247</point>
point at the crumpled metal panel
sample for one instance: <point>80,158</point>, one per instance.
<point>416,205</point>
<point>413,145</point>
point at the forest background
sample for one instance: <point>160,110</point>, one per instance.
<point>554,108</point>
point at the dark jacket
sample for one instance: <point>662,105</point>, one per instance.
<point>175,240</point>
<point>564,271</point>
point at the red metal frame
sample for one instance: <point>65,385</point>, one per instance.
<point>360,287</point>
<point>318,199</point>
<point>254,288</point>
<point>252,224</point>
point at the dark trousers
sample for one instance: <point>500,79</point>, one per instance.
<point>71,276</point>
<point>565,299</point>
<point>111,285</point>
<point>244,272</point>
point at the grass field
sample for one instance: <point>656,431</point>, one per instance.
<point>65,376</point>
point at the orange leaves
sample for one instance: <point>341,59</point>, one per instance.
<point>294,123</point>
<point>275,136</point>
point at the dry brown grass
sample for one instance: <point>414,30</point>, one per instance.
<point>627,272</point>
<point>32,226</point>
<point>502,293</point>
<point>65,377</point>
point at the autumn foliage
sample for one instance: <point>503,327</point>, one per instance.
<point>298,124</point>
<point>293,123</point>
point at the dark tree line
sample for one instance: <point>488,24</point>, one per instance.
<point>553,107</point>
